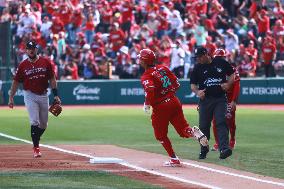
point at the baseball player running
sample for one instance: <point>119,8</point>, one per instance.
<point>160,85</point>
<point>36,74</point>
<point>232,96</point>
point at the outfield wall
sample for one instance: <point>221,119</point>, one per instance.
<point>253,91</point>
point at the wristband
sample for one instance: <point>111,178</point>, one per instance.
<point>54,92</point>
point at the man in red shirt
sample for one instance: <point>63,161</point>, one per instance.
<point>160,85</point>
<point>36,74</point>
<point>232,96</point>
<point>210,46</point>
<point>57,25</point>
<point>116,38</point>
<point>251,50</point>
<point>268,55</point>
<point>263,23</point>
<point>126,16</point>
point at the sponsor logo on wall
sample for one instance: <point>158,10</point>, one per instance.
<point>132,92</point>
<point>82,92</point>
<point>275,91</point>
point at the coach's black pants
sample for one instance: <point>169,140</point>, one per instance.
<point>217,107</point>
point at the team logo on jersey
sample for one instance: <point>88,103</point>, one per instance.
<point>219,70</point>
<point>205,72</point>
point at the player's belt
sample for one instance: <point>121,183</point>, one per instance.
<point>40,93</point>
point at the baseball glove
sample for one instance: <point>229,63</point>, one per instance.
<point>55,108</point>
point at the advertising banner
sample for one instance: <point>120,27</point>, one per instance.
<point>253,91</point>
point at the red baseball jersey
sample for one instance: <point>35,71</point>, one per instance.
<point>117,39</point>
<point>35,76</point>
<point>159,84</point>
<point>268,51</point>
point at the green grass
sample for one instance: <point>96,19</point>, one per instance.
<point>260,136</point>
<point>68,180</point>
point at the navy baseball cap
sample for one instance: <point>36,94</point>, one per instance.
<point>31,45</point>
<point>199,51</point>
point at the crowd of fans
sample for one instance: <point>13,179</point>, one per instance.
<point>92,39</point>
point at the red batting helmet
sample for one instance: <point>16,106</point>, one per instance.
<point>219,52</point>
<point>147,55</point>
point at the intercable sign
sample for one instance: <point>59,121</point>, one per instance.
<point>262,91</point>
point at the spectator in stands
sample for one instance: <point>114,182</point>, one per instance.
<point>61,47</point>
<point>163,22</point>
<point>124,67</point>
<point>153,23</point>
<point>268,55</point>
<point>57,25</point>
<point>80,41</point>
<point>90,70</point>
<point>210,46</point>
<point>247,67</point>
<point>45,28</point>
<point>278,29</point>
<point>214,10</point>
<point>263,23</point>
<point>116,39</point>
<point>252,51</point>
<point>75,25</point>
<point>28,20</point>
<point>164,51</point>
<point>36,12</point>
<point>277,9</point>
<point>177,59</point>
<point>89,28</point>
<point>176,24</point>
<point>146,34</point>
<point>5,17</point>
<point>72,71</point>
<point>126,15</point>
<point>64,13</point>
<point>106,17</point>
<point>200,33</point>
<point>231,42</point>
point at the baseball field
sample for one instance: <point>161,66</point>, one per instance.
<point>113,130</point>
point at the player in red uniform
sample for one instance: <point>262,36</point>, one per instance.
<point>160,85</point>
<point>232,96</point>
<point>36,74</point>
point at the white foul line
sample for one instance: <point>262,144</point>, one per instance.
<point>155,172</point>
<point>168,176</point>
<point>232,174</point>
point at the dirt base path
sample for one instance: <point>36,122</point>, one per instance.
<point>19,157</point>
<point>154,162</point>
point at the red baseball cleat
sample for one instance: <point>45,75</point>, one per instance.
<point>173,162</point>
<point>215,147</point>
<point>37,153</point>
<point>232,144</point>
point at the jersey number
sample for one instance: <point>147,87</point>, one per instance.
<point>166,81</point>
